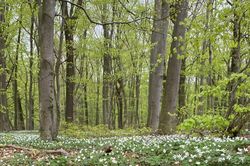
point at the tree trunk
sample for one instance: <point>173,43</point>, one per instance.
<point>69,27</point>
<point>48,127</point>
<point>107,72</point>
<point>137,98</point>
<point>234,68</point>
<point>57,91</point>
<point>85,89</point>
<point>97,120</point>
<point>182,92</point>
<point>210,98</point>
<point>30,125</point>
<point>5,124</point>
<point>120,94</point>
<point>235,65</point>
<point>157,58</point>
<point>18,120</point>
<point>168,116</point>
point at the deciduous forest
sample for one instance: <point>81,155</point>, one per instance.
<point>125,82</point>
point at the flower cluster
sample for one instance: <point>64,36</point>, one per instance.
<point>136,150</point>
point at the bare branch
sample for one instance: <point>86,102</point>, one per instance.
<point>230,3</point>
<point>99,23</point>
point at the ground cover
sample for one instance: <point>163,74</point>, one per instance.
<point>28,149</point>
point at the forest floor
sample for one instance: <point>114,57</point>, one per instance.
<point>25,148</point>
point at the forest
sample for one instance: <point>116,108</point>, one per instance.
<point>125,82</point>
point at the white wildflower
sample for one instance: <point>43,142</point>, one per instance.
<point>197,163</point>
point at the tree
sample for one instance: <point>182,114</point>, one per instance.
<point>48,126</point>
<point>107,70</point>
<point>168,117</point>
<point>69,29</point>
<point>157,59</point>
<point>18,120</point>
<point>240,118</point>
<point>5,124</point>
<point>30,123</point>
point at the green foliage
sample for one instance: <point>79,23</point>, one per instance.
<point>81,131</point>
<point>135,150</point>
<point>202,124</point>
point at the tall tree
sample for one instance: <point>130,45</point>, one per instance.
<point>30,123</point>
<point>48,126</point>
<point>168,117</point>
<point>157,59</point>
<point>69,30</point>
<point>18,120</point>
<point>5,124</point>
<point>239,118</point>
<point>107,70</point>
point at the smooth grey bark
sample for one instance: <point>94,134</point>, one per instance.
<point>48,126</point>
<point>168,116</point>
<point>5,124</point>
<point>58,63</point>
<point>157,58</point>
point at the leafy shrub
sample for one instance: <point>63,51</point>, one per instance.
<point>81,131</point>
<point>201,124</point>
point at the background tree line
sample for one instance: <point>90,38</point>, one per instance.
<point>123,64</point>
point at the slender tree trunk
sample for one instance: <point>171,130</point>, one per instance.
<point>57,75</point>
<point>48,130</point>
<point>137,102</point>
<point>168,117</point>
<point>182,92</point>
<point>30,124</point>
<point>18,120</point>
<point>97,120</point>
<point>69,27</point>
<point>210,98</point>
<point>120,88</point>
<point>85,89</point>
<point>200,109</point>
<point>157,58</point>
<point>234,68</point>
<point>120,95</point>
<point>107,72</point>
<point>5,124</point>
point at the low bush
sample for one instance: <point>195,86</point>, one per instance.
<point>204,124</point>
<point>82,131</point>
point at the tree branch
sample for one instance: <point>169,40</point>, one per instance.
<point>99,23</point>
